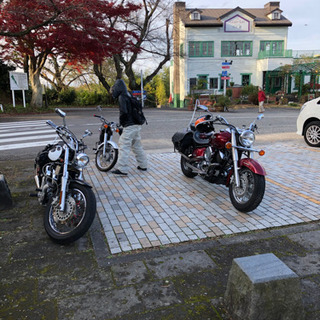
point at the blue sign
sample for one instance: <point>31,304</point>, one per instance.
<point>226,63</point>
<point>224,73</point>
<point>135,92</point>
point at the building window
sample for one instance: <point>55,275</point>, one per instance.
<point>276,15</point>
<point>201,49</point>
<point>272,48</point>
<point>236,48</point>
<point>202,82</point>
<point>245,79</point>
<point>195,16</point>
<point>213,83</point>
<point>193,83</point>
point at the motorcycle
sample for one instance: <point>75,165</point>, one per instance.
<point>223,157</point>
<point>106,150</point>
<point>69,200</point>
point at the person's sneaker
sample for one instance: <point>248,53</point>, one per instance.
<point>117,171</point>
<point>142,169</point>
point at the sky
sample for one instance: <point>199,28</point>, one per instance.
<point>304,15</point>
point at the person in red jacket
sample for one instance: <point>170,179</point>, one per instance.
<point>261,98</point>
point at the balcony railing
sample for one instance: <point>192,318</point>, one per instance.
<point>275,54</point>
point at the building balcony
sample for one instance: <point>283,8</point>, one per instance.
<point>275,54</point>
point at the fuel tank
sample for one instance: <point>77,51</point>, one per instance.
<point>219,139</point>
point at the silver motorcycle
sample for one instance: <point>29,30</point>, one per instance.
<point>69,199</point>
<point>106,150</point>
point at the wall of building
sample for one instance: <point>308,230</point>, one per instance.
<point>192,67</point>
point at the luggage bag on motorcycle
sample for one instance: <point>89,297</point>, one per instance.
<point>182,140</point>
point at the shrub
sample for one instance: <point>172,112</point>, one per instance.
<point>251,92</point>
<point>229,93</point>
<point>52,96</point>
<point>223,101</point>
<point>67,96</point>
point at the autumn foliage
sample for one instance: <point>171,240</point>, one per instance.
<point>78,29</point>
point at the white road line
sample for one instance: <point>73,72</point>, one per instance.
<point>25,145</point>
<point>22,124</point>
<point>25,133</point>
<point>47,136</point>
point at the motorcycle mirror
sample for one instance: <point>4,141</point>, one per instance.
<point>199,106</point>
<point>204,108</point>
<point>87,133</point>
<point>60,112</point>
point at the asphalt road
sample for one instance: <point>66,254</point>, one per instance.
<point>278,124</point>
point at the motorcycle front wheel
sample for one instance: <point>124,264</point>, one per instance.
<point>71,224</point>
<point>106,162</point>
<point>249,194</point>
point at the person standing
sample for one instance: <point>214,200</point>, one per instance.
<point>261,99</point>
<point>130,138</point>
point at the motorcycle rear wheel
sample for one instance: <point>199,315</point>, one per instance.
<point>70,225</point>
<point>107,162</point>
<point>249,194</point>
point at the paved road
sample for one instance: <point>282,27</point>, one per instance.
<point>278,124</point>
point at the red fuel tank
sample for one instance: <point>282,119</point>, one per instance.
<point>219,139</point>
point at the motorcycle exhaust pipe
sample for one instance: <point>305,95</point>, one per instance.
<point>36,178</point>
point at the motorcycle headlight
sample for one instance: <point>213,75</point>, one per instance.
<point>82,160</point>
<point>247,138</point>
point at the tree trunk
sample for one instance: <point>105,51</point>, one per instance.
<point>37,99</point>
<point>36,64</point>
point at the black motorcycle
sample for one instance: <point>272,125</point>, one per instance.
<point>69,200</point>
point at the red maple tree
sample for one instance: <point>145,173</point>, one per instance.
<point>78,30</point>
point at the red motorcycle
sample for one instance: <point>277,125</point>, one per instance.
<point>222,157</point>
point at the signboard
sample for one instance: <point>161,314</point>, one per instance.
<point>225,67</point>
<point>225,78</point>
<point>137,94</point>
<point>18,81</point>
<point>224,73</point>
<point>237,24</point>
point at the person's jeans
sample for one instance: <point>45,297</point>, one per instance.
<point>130,139</point>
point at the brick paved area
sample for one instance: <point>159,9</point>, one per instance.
<point>162,206</point>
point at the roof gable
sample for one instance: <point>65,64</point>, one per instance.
<point>214,17</point>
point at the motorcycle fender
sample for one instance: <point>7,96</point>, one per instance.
<point>251,164</point>
<point>115,146</point>
<point>84,183</point>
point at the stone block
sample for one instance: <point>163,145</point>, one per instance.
<point>263,287</point>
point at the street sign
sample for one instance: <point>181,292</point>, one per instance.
<point>137,94</point>
<point>225,67</point>
<point>224,73</point>
<point>226,63</point>
<point>18,81</point>
<point>225,78</point>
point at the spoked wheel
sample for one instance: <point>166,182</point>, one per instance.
<point>72,223</point>
<point>186,170</point>
<point>312,134</point>
<point>107,161</point>
<point>249,194</point>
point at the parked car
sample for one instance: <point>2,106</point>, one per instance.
<point>308,122</point>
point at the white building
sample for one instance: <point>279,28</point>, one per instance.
<point>255,40</point>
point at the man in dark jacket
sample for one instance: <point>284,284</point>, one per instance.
<point>130,138</point>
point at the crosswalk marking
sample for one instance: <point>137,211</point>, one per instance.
<point>25,134</point>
